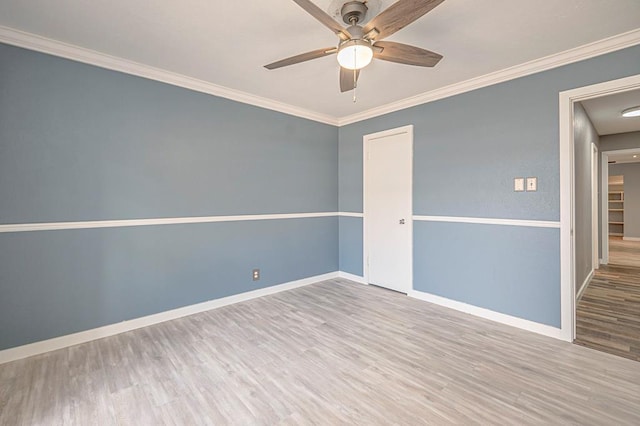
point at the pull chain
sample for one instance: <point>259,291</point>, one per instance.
<point>355,78</point>
<point>355,85</point>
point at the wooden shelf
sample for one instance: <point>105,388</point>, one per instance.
<point>616,213</point>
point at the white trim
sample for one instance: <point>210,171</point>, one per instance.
<point>350,214</point>
<point>91,224</point>
<point>604,199</point>
<point>408,129</point>
<point>595,241</point>
<point>601,47</point>
<point>76,53</point>
<point>567,261</point>
<point>351,277</point>
<point>43,346</point>
<point>584,285</point>
<point>523,324</point>
<point>630,239</point>
<point>80,54</point>
<point>490,221</point>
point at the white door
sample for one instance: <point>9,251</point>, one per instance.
<point>388,160</point>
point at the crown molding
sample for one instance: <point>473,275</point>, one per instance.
<point>76,53</point>
<point>80,54</point>
<point>587,51</point>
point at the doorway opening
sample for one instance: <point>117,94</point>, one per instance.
<point>620,243</point>
<point>568,282</point>
<point>600,297</point>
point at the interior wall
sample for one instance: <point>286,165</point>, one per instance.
<point>467,151</point>
<point>80,143</point>
<point>631,173</point>
<point>584,134</point>
<point>618,141</point>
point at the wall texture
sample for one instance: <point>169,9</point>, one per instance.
<point>467,150</point>
<point>631,173</point>
<point>81,143</point>
<point>584,135</point>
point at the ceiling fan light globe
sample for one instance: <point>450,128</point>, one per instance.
<point>355,54</point>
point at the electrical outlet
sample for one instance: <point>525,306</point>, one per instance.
<point>256,274</point>
<point>532,184</point>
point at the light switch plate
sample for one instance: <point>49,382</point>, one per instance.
<point>518,184</point>
<point>532,184</point>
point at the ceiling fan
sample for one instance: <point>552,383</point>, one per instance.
<point>359,45</point>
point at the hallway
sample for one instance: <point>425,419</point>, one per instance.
<point>608,315</point>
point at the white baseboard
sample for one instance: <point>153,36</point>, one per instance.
<point>631,238</point>
<point>584,285</point>
<point>524,324</point>
<point>352,277</point>
<point>43,346</point>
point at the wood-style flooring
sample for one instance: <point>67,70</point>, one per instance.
<point>623,252</point>
<point>608,314</point>
<point>331,353</point>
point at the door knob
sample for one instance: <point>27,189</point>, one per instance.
<point>401,221</point>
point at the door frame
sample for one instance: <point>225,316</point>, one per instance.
<point>604,228</point>
<point>567,188</point>
<point>366,139</point>
<point>595,242</point>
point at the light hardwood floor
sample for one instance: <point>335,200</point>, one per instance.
<point>331,353</point>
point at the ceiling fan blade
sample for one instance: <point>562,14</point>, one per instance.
<point>346,79</point>
<point>314,54</point>
<point>324,19</point>
<point>405,54</point>
<point>397,16</point>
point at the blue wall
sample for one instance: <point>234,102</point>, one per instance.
<point>60,282</point>
<point>509,269</point>
<point>350,242</point>
<point>82,143</point>
<point>467,150</point>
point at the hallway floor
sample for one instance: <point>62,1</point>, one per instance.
<point>623,252</point>
<point>608,315</point>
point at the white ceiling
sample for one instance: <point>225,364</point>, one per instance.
<point>629,156</point>
<point>606,112</point>
<point>228,42</point>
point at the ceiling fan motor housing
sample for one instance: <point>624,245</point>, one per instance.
<point>353,12</point>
